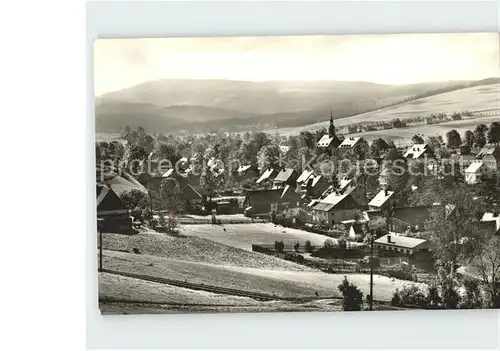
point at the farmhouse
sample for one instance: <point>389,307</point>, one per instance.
<point>265,201</point>
<point>491,222</point>
<point>418,152</point>
<point>119,183</point>
<point>382,203</point>
<point>477,172</point>
<point>355,145</point>
<point>315,186</point>
<point>345,185</point>
<point>304,176</point>
<point>490,155</point>
<point>403,244</point>
<point>349,186</point>
<point>286,176</point>
<point>113,211</point>
<point>334,208</point>
<point>486,167</point>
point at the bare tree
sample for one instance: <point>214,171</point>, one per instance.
<point>486,265</point>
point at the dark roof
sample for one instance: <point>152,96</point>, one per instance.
<point>264,195</point>
<point>107,199</point>
<point>416,215</point>
<point>119,181</point>
<point>189,193</point>
<point>273,195</point>
<point>358,228</point>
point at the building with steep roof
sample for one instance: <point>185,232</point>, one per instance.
<point>266,201</point>
<point>286,176</point>
<point>268,175</point>
<point>491,222</point>
<point>382,203</point>
<point>418,152</point>
<point>112,210</point>
<point>334,208</point>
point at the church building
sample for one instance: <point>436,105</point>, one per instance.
<point>329,141</point>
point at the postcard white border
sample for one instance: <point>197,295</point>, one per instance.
<point>401,330</point>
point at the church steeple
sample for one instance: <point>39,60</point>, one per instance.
<point>331,129</point>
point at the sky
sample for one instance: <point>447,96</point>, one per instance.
<point>384,59</point>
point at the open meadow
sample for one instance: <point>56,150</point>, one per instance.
<point>244,235</point>
<point>206,263</point>
<point>475,99</point>
<point>403,136</point>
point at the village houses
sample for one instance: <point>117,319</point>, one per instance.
<point>486,166</point>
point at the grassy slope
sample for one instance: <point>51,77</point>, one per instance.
<point>171,299</point>
<point>479,98</point>
<point>270,281</point>
<point>404,135</point>
<point>125,288</point>
<point>195,249</point>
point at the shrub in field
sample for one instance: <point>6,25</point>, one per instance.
<point>433,299</point>
<point>308,246</point>
<point>328,244</point>
<point>451,297</point>
<point>342,242</point>
<point>294,257</point>
<point>352,296</point>
<point>279,246</point>
<point>473,297</point>
<point>396,298</point>
<point>296,246</point>
<point>410,295</point>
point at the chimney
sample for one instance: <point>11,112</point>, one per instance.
<point>389,238</point>
<point>385,191</point>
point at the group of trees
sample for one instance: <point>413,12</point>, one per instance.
<point>398,123</point>
<point>481,135</point>
<point>461,241</point>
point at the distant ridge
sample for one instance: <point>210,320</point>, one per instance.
<point>168,106</point>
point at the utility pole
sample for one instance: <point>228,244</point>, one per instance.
<point>99,228</point>
<point>371,272</point>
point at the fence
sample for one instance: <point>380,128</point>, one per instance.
<point>185,220</point>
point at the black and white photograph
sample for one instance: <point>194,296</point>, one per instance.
<point>297,173</point>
